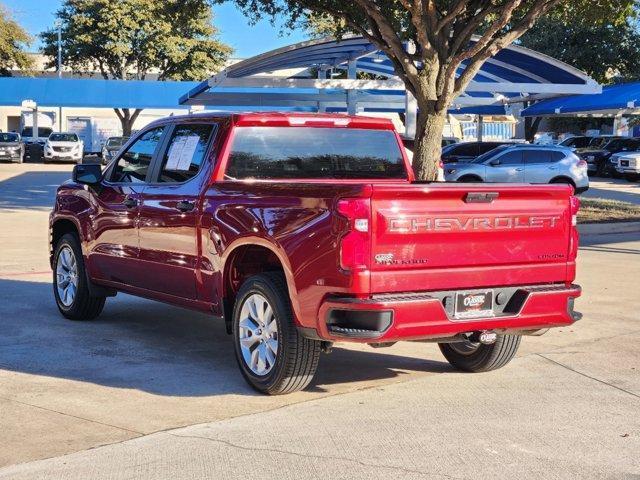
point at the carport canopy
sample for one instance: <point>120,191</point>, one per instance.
<point>513,75</point>
<point>614,100</point>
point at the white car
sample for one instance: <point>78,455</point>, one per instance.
<point>629,165</point>
<point>63,147</point>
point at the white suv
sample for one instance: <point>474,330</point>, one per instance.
<point>629,165</point>
<point>63,147</point>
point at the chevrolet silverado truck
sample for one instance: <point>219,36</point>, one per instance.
<point>299,231</point>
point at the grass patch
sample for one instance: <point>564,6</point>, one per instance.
<point>595,210</point>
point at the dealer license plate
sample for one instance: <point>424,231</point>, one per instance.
<point>474,304</point>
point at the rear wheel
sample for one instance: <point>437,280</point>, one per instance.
<point>564,181</point>
<point>477,357</point>
<point>273,357</point>
<point>70,284</point>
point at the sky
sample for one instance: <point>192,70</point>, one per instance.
<point>36,16</point>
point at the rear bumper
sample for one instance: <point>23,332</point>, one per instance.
<point>428,315</point>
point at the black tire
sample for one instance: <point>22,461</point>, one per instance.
<point>84,306</point>
<point>470,179</point>
<point>563,180</point>
<point>631,177</point>
<point>479,357</point>
<point>296,359</point>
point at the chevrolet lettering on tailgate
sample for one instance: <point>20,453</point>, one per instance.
<point>436,224</point>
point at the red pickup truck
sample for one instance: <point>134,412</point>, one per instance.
<point>303,230</point>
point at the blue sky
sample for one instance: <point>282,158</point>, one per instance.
<point>247,40</point>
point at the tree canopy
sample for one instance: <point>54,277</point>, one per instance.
<point>428,40</point>
<point>13,41</point>
<point>604,51</point>
<point>132,39</point>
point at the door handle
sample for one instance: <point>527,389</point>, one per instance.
<point>185,206</point>
<point>553,168</point>
<point>130,203</point>
<point>519,169</point>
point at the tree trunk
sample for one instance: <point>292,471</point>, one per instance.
<point>127,119</point>
<point>428,143</point>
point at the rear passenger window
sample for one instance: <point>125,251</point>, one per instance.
<point>511,158</point>
<point>133,165</point>
<point>557,156</point>
<point>185,153</point>
<point>537,156</point>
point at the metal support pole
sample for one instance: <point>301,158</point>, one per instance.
<point>410,115</point>
<point>35,124</point>
<point>59,25</point>
<point>352,95</point>
<point>479,127</point>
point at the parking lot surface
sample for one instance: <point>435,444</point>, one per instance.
<point>153,391</point>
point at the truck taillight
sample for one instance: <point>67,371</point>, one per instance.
<point>574,203</point>
<point>575,206</point>
<point>355,244</point>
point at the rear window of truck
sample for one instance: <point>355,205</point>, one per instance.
<point>309,153</point>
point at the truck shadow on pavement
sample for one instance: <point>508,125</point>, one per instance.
<point>149,346</point>
<point>31,190</point>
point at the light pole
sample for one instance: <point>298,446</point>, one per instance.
<point>58,25</point>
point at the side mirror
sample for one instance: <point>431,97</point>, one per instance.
<point>495,162</point>
<point>89,174</point>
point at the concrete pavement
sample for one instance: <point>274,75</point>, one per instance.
<point>567,407</point>
<point>613,189</point>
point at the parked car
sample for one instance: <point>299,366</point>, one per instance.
<point>306,230</point>
<point>523,163</point>
<point>465,151</point>
<point>111,147</point>
<point>11,147</point>
<point>599,159</point>
<point>628,165</point>
<point>579,141</point>
<point>63,147</point>
<point>449,141</point>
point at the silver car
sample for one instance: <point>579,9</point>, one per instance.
<point>523,164</point>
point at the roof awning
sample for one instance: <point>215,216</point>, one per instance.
<point>614,100</point>
<point>92,93</point>
<point>514,74</point>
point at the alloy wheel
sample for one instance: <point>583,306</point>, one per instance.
<point>258,334</point>
<point>66,276</point>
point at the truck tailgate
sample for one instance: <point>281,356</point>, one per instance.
<point>453,236</point>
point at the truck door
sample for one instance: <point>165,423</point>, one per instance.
<point>114,249</point>
<point>170,209</point>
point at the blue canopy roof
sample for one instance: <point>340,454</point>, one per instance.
<point>513,64</point>
<point>55,92</point>
<point>513,74</point>
<point>614,99</point>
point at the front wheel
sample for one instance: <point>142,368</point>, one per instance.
<point>273,357</point>
<point>70,283</point>
<point>477,357</point>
